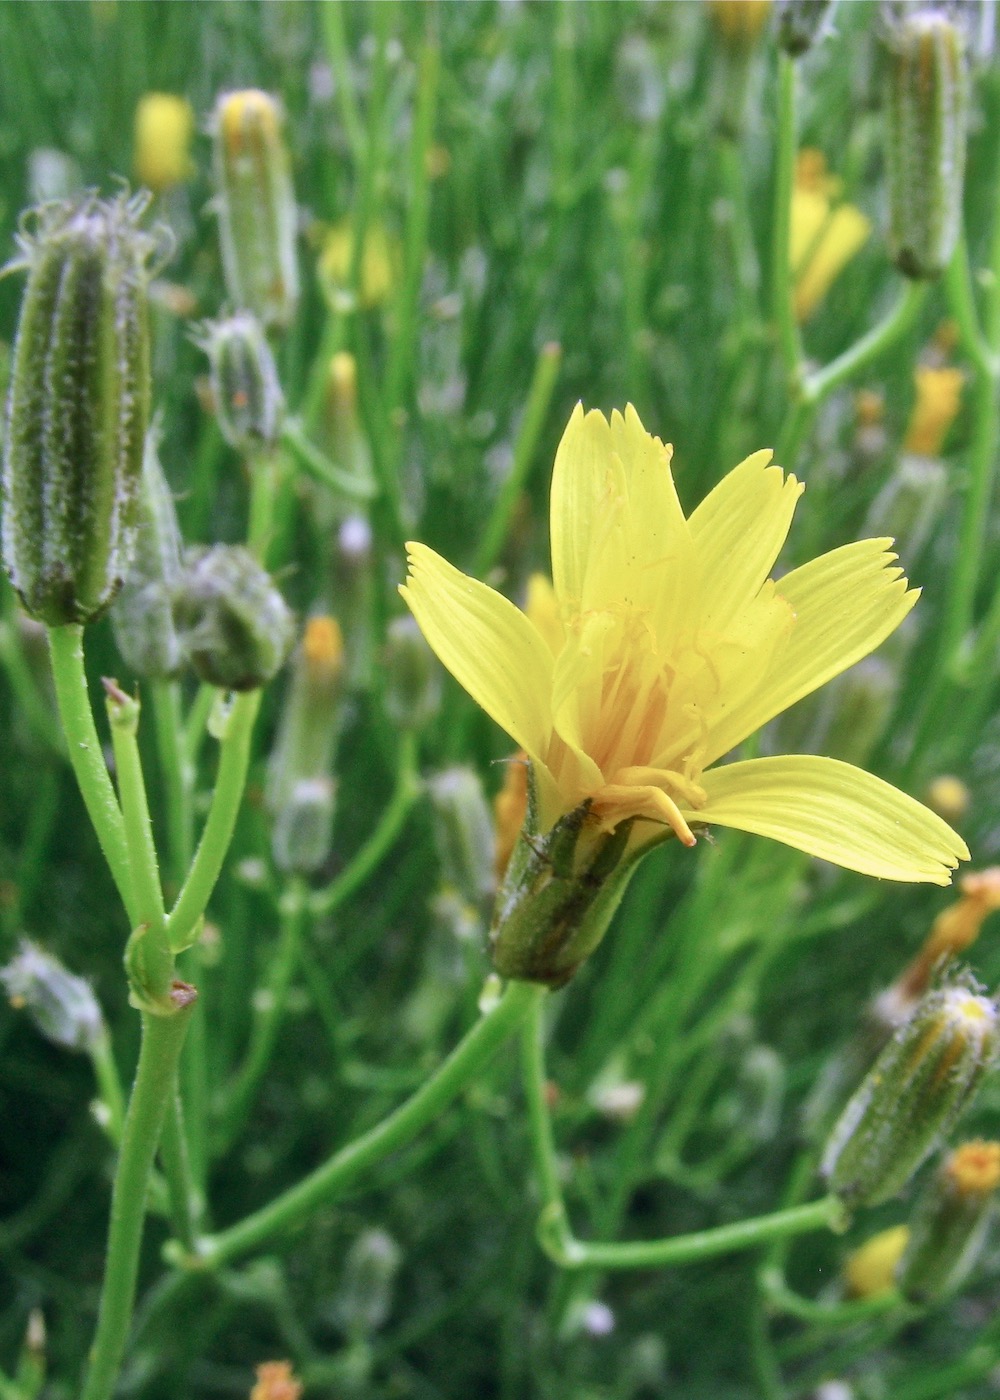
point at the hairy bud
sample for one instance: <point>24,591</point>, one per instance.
<point>245,386</point>
<point>234,625</point>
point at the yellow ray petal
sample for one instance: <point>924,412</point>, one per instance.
<point>835,811</point>
<point>738,531</point>
<point>579,486</point>
<point>542,607</point>
<point>845,602</point>
<point>487,644</point>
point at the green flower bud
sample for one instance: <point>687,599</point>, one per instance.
<point>63,1007</point>
<point>950,1223</point>
<point>300,791</point>
<point>912,1095</point>
<point>926,133</point>
<point>463,830</point>
<point>558,895</point>
<point>412,677</point>
<point>908,506</point>
<point>802,23</point>
<point>234,625</point>
<point>77,407</point>
<point>249,403</point>
<point>256,206</point>
<point>303,826</point>
<point>142,614</point>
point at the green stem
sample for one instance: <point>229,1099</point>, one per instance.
<point>109,1086</point>
<point>383,838</point>
<point>335,41</point>
<point>263,469</point>
<point>177,1168</point>
<point>539,397</point>
<point>321,468</point>
<point>234,760</point>
<point>30,700</point>
<point>564,1249</point>
<point>240,1095</point>
<point>782,1299</point>
<point>87,758</point>
<point>330,1180</point>
<point>197,722</point>
<point>782,280</point>
<point>897,321</point>
<point>178,775</point>
<point>162,1039</point>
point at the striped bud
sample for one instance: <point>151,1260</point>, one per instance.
<point>142,614</point>
<point>926,133</point>
<point>235,627</point>
<point>412,675</point>
<point>77,407</point>
<point>256,206</point>
<point>249,403</point>
<point>463,831</point>
<point>950,1223</point>
<point>801,23</point>
<point>912,1095</point>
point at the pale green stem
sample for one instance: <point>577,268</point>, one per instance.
<point>329,1181</point>
<point>543,384</point>
<point>162,1039</point>
<point>383,838</point>
<point>782,279</point>
<point>234,759</point>
<point>109,1086</point>
<point>87,757</point>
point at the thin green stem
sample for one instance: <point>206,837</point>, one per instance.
<point>401,357</point>
<point>383,838</point>
<point>330,1180</point>
<point>845,1313</point>
<point>109,1086</point>
<point>897,321</point>
<point>263,469</point>
<point>87,757</point>
<point>234,760</point>
<point>177,1168</point>
<point>162,1039</point>
<point>197,722</point>
<point>321,468</point>
<point>178,775</point>
<point>782,281</point>
<point>335,41</point>
<point>558,1241</point>
<point>543,383</point>
<point>240,1095</point>
<point>962,305</point>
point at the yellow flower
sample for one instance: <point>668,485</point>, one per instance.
<point>939,397</point>
<point>825,235</point>
<point>672,647</point>
<point>379,258</point>
<point>871,1269</point>
<point>164,126</point>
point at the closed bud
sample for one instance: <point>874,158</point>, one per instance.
<point>938,399</point>
<point>802,23</point>
<point>950,1222</point>
<point>463,834</point>
<point>63,1007</point>
<point>77,408</point>
<point>412,677</point>
<point>303,826</point>
<point>142,615</point>
<point>300,789</point>
<point>926,131</point>
<point>558,895</point>
<point>370,1270</point>
<point>246,389</point>
<point>164,126</point>
<point>948,796</point>
<point>856,709</point>
<point>908,506</point>
<point>256,206</point>
<point>235,627</point>
<point>348,442</point>
<point>912,1096</point>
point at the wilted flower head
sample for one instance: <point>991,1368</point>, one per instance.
<point>670,645</point>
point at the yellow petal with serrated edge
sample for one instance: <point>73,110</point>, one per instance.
<point>738,531</point>
<point>835,811</point>
<point>487,644</point>
<point>579,487</point>
<point>845,602</point>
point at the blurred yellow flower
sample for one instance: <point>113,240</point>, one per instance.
<point>825,234</point>
<point>164,126</point>
<point>740,21</point>
<point>870,1269</point>
<point>939,397</point>
<point>664,644</point>
<point>379,260</point>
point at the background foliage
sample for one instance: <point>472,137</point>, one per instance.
<point>579,190</point>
